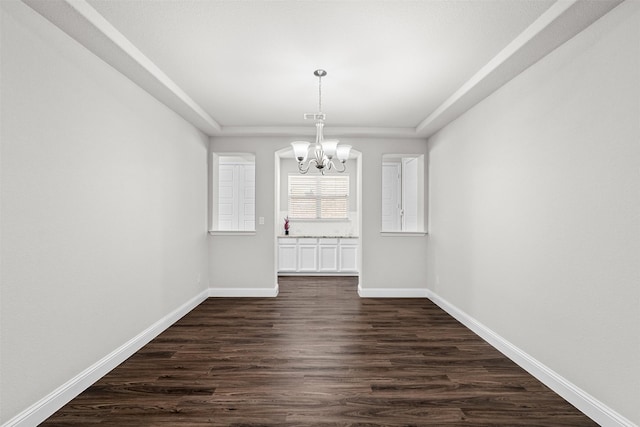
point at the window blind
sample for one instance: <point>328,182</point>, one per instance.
<point>318,197</point>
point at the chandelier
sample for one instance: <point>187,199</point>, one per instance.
<point>324,150</point>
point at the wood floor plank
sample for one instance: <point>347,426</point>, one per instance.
<point>318,355</point>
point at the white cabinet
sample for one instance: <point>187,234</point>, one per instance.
<point>311,255</point>
<point>348,253</point>
<point>307,255</point>
<point>287,255</point>
<point>328,255</point>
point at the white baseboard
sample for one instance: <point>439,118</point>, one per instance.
<point>391,292</point>
<point>582,400</point>
<point>45,407</point>
<point>244,292</point>
<point>320,274</point>
<point>589,405</point>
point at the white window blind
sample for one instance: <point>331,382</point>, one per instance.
<point>236,196</point>
<point>318,197</point>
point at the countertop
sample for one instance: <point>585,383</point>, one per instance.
<point>316,236</point>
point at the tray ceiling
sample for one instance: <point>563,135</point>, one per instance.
<point>402,68</point>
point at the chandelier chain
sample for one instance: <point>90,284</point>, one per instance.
<point>320,94</point>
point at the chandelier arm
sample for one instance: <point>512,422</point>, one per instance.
<point>301,169</point>
<point>344,167</point>
<point>304,170</point>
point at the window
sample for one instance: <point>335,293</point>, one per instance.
<point>402,193</point>
<point>234,192</point>
<point>318,197</point>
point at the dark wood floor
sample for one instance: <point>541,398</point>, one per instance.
<point>318,355</point>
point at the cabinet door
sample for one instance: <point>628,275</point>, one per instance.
<point>348,256</point>
<point>328,257</point>
<point>287,257</point>
<point>308,257</point>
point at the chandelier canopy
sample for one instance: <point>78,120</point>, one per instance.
<point>324,150</point>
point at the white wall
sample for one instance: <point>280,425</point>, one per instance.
<point>103,215</point>
<point>535,211</point>
<point>388,262</point>
<point>246,261</point>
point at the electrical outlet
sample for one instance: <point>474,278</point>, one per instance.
<point>261,220</point>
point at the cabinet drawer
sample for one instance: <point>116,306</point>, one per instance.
<point>287,241</point>
<point>307,241</point>
<point>328,241</point>
<point>351,241</point>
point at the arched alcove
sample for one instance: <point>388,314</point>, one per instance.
<point>285,164</point>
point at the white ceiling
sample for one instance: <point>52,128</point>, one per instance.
<point>402,68</point>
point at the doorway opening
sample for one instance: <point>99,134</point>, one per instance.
<point>324,234</point>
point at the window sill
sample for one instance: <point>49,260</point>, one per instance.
<point>403,233</point>
<point>231,233</point>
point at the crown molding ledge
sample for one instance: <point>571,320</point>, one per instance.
<point>85,24</point>
<point>336,131</point>
<point>563,20</point>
